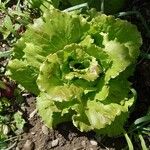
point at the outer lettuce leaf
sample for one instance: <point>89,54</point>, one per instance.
<point>50,113</point>
<point>110,34</point>
<point>117,126</point>
<point>23,74</point>
<point>117,29</point>
<point>56,30</point>
<point>113,96</point>
<point>120,58</point>
<point>97,115</point>
<point>104,118</point>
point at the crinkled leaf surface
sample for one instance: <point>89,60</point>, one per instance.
<point>23,74</point>
<point>52,112</point>
<point>112,37</point>
<point>61,73</point>
<point>103,117</point>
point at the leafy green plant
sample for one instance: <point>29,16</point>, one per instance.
<point>7,27</point>
<point>13,18</point>
<point>4,129</point>
<point>10,121</point>
<point>78,66</point>
<point>8,124</point>
<point>19,121</point>
<point>10,118</point>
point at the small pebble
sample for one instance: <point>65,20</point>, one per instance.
<point>25,94</point>
<point>29,145</point>
<point>33,133</point>
<point>83,143</point>
<point>3,45</point>
<point>32,114</point>
<point>5,129</point>
<point>45,130</point>
<point>54,143</point>
<point>17,148</point>
<point>93,142</point>
<point>78,148</point>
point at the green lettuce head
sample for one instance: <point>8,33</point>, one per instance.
<point>79,67</point>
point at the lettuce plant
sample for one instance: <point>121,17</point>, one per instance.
<point>78,66</point>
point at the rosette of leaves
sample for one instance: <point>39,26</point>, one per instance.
<point>79,68</point>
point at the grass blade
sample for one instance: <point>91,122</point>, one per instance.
<point>142,120</point>
<point>143,144</point>
<point>130,145</point>
<point>76,7</point>
<point>140,123</point>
